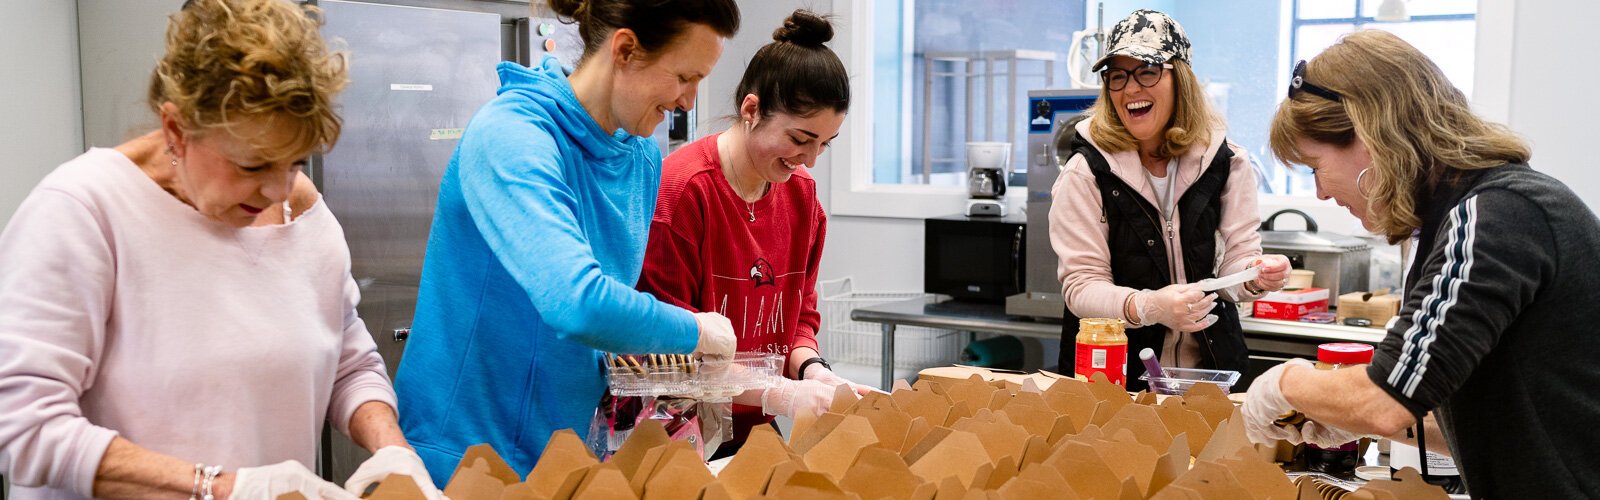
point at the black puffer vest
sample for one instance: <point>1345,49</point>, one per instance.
<point>1136,237</point>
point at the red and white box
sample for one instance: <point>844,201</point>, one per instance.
<point>1292,304</point>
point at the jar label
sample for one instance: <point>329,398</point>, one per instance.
<point>1112,360</point>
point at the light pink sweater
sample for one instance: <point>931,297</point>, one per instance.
<point>1080,238</point>
<point>125,312</point>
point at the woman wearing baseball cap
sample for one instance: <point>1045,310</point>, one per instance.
<point>1152,200</point>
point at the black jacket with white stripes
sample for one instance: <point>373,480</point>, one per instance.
<point>1500,332</point>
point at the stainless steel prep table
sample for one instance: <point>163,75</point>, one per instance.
<point>1278,336</point>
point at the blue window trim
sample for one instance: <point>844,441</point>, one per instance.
<point>1295,22</point>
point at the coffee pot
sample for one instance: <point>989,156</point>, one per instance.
<point>988,170</point>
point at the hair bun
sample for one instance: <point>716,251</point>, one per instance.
<point>804,27</point>
<point>569,9</point>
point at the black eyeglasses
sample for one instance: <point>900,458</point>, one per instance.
<point>1298,83</point>
<point>1148,76</point>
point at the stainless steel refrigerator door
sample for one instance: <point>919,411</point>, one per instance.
<point>417,75</point>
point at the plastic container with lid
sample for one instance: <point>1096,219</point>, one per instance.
<point>1338,460</point>
<point>1103,348</point>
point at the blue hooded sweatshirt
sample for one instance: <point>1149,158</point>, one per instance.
<point>537,242</point>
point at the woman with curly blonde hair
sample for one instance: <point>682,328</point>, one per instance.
<point>1496,334</point>
<point>177,315</point>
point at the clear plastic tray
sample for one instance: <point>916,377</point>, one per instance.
<point>1178,380</point>
<point>673,375</point>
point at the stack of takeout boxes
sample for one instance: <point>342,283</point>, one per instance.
<point>958,439</point>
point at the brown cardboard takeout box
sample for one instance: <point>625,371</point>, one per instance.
<point>1377,306</point>
<point>936,440</point>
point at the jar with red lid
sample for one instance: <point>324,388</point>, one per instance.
<point>1338,460</point>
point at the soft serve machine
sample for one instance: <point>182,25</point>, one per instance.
<point>1051,113</point>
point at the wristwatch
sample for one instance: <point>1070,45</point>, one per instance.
<point>807,364</point>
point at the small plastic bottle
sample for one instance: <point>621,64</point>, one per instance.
<point>1103,348</point>
<point>1339,460</point>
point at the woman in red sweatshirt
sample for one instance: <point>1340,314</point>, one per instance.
<point>738,229</point>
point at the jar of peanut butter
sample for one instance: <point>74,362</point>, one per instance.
<point>1102,348</point>
<point>1339,460</point>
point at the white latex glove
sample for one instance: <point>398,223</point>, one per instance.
<point>392,460</point>
<point>269,481</point>
<point>793,397</point>
<point>1181,307</point>
<point>1264,404</point>
<point>822,374</point>
<point>1274,272</point>
<point>716,336</point>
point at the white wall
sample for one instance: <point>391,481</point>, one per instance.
<point>39,95</point>
<point>1548,101</point>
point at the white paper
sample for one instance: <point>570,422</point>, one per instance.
<point>1214,284</point>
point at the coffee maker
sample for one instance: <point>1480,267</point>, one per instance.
<point>988,169</point>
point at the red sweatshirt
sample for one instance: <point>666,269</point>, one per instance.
<point>705,254</point>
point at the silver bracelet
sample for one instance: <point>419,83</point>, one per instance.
<point>211,475</point>
<point>194,491</point>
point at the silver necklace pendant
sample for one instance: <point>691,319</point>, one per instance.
<point>752,209</point>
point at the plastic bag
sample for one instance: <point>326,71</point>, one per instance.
<point>704,424</point>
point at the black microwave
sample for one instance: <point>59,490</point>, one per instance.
<point>977,258</point>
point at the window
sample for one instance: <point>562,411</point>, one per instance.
<point>1445,30</point>
<point>942,69</point>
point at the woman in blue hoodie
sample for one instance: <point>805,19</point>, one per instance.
<point>539,237</point>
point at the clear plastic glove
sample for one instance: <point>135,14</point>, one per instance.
<point>794,397</point>
<point>716,336</point>
<point>269,481</point>
<point>1181,307</point>
<point>1264,405</point>
<point>1274,272</point>
<point>392,460</point>
<point>822,374</point>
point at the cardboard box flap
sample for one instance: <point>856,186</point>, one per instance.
<point>477,480</point>
<point>844,398</point>
<point>494,466</point>
<point>958,411</point>
<point>647,435</point>
<point>1037,482</point>
<point>899,385</point>
<point>951,488</point>
<point>1085,470</point>
<point>879,473</point>
<point>604,481</point>
<point>748,472</point>
<point>1064,426</point>
<point>889,423</point>
<point>973,391</point>
<point>1104,390</point>
<point>681,474</point>
<point>956,453</point>
<point>1209,401</point>
<point>808,484</point>
<point>396,487</point>
<point>524,491</point>
<point>923,385</point>
<point>834,454</point>
<point>1077,403</point>
<point>1173,464</point>
<point>1227,440</point>
<point>999,436</point>
<point>1031,411</point>
<point>1264,481</point>
<point>1176,492</point>
<point>293,495</point>
<point>1129,459</point>
<point>1212,481</point>
<point>1004,470</point>
<point>1181,420</point>
<point>1144,423</point>
<point>714,491</point>
<point>921,403</point>
<point>1035,451</point>
<point>814,433</point>
<point>1107,409</point>
<point>918,430</point>
<point>562,466</point>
